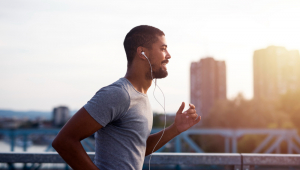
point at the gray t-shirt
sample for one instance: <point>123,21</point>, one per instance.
<point>127,118</point>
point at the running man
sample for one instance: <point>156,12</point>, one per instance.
<point>120,114</point>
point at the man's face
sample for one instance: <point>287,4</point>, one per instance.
<point>159,58</point>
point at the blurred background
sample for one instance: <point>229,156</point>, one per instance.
<point>237,61</point>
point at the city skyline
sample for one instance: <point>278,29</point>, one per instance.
<point>208,84</point>
<point>60,52</point>
<point>276,71</point>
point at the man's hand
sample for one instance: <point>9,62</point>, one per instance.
<point>183,121</point>
<point>67,142</point>
<point>187,119</point>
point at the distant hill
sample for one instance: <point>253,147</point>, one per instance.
<point>29,114</point>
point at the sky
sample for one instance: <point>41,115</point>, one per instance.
<point>60,52</point>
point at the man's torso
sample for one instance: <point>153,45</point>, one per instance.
<point>121,143</point>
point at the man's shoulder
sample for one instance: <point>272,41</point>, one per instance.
<point>109,103</point>
<point>115,90</point>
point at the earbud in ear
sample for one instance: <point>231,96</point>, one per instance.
<point>143,53</point>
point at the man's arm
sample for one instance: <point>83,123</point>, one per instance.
<point>67,142</point>
<point>170,133</point>
<point>183,121</point>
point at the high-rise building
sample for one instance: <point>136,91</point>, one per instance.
<point>275,71</point>
<point>208,84</point>
<point>61,115</point>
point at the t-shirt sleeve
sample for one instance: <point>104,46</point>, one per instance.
<point>108,104</point>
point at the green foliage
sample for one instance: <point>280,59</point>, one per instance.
<point>248,143</point>
<point>290,104</point>
<point>242,113</point>
<point>28,125</point>
<point>210,143</point>
<point>159,120</point>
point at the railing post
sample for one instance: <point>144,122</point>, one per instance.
<point>25,142</point>
<point>25,166</point>
<point>12,140</point>
<point>246,167</point>
<point>227,144</point>
<point>237,167</point>
<point>11,166</point>
<point>178,143</point>
<point>290,143</point>
<point>234,142</point>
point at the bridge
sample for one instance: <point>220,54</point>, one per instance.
<point>271,143</point>
<point>176,161</point>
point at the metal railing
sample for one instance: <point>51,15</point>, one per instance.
<point>234,161</point>
<point>13,133</point>
<point>270,144</point>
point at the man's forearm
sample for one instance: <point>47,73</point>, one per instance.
<point>152,140</point>
<point>74,154</point>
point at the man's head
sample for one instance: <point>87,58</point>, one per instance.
<point>152,41</point>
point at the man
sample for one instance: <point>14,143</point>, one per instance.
<point>120,113</point>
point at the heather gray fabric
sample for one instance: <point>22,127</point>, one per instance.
<point>126,117</point>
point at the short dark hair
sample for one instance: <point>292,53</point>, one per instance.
<point>143,35</point>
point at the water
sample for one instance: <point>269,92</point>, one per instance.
<point>5,147</point>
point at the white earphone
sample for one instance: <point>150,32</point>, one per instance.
<point>143,53</point>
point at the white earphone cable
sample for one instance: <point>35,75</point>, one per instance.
<point>165,119</point>
<point>163,106</point>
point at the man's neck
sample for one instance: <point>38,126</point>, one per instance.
<point>138,80</point>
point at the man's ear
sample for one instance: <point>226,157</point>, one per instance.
<point>139,51</point>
